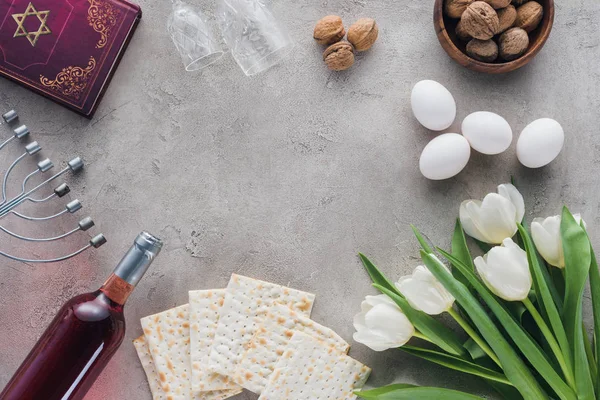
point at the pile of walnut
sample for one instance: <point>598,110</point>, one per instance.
<point>482,21</point>
<point>330,31</point>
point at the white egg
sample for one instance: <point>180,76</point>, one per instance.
<point>433,105</point>
<point>445,156</point>
<point>540,143</point>
<point>488,133</point>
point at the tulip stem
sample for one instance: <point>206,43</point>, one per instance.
<point>474,335</point>
<point>419,335</point>
<point>551,341</point>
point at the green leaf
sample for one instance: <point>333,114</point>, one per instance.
<point>407,392</point>
<point>475,351</point>
<point>517,309</point>
<point>514,368</point>
<point>376,275</point>
<point>557,277</point>
<point>507,392</point>
<point>589,353</point>
<point>578,259</point>
<point>461,251</point>
<point>371,394</point>
<point>548,272</point>
<point>595,290</point>
<point>459,247</point>
<point>456,363</point>
<point>522,339</point>
<point>422,241</point>
<point>546,301</point>
<point>434,330</point>
<point>485,247</point>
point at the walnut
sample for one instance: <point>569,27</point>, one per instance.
<point>529,16</point>
<point>513,44</point>
<point>480,20</point>
<point>455,8</point>
<point>329,29</point>
<point>496,4</point>
<point>461,33</point>
<point>483,50</point>
<point>339,56</point>
<point>507,17</point>
<point>363,34</point>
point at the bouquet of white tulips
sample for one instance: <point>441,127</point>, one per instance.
<point>537,275</point>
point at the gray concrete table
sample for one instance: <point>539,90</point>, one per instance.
<point>287,175</point>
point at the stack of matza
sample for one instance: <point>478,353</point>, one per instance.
<point>253,335</point>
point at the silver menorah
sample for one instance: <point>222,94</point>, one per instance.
<point>10,206</point>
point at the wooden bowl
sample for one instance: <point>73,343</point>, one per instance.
<point>445,28</point>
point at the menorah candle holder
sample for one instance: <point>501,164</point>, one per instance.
<point>10,205</point>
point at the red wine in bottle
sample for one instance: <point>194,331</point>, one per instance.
<point>83,336</point>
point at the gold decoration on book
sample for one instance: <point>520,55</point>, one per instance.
<point>71,81</point>
<point>102,16</point>
<point>22,31</point>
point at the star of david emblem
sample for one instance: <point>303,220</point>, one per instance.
<point>22,31</point>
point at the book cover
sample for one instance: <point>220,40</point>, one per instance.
<point>66,50</point>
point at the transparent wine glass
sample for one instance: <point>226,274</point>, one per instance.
<point>256,39</point>
<point>193,37</point>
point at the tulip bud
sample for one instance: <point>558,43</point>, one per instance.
<point>381,325</point>
<point>424,292</point>
<point>495,218</point>
<point>546,236</point>
<point>505,271</point>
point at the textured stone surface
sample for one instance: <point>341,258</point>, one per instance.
<point>286,175</point>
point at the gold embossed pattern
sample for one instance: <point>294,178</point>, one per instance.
<point>71,81</point>
<point>102,16</point>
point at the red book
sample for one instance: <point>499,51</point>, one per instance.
<point>66,50</point>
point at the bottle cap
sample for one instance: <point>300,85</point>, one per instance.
<point>149,242</point>
<point>135,263</point>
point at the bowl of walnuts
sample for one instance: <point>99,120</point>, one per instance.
<point>493,36</point>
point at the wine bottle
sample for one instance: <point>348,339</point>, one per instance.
<point>83,336</point>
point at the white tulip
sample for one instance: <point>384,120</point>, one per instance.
<point>546,236</point>
<point>381,325</point>
<point>495,218</point>
<point>424,292</point>
<point>505,271</point>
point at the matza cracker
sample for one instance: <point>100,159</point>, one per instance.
<point>146,359</point>
<point>246,302</point>
<point>205,306</point>
<point>143,352</point>
<point>310,369</point>
<point>168,337</point>
<point>271,340</point>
